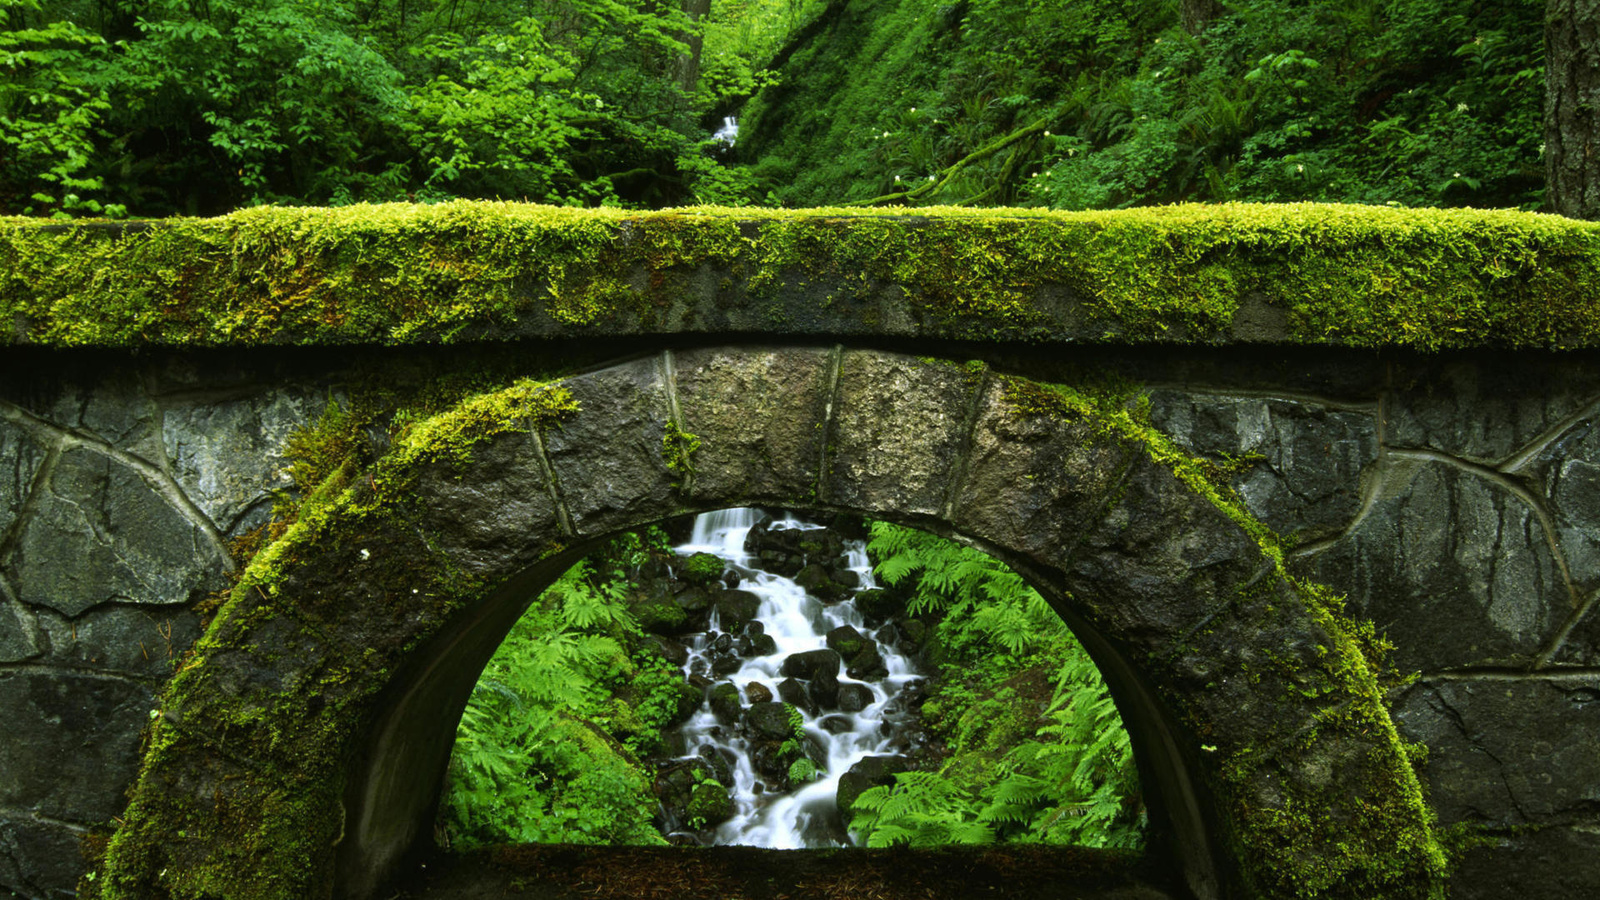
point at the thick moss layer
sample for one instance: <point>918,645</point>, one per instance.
<point>405,274</point>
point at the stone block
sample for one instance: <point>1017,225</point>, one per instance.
<point>1560,862</point>
<point>608,459</point>
<point>72,742</point>
<point>1035,482</point>
<point>228,455</point>
<point>1300,462</point>
<point>101,534</point>
<point>140,642</point>
<point>497,515</point>
<point>759,415</point>
<point>1507,753</point>
<point>19,631</point>
<point>898,430</point>
<point>115,409</point>
<point>1454,567</point>
<point>21,454</point>
<point>1567,472</point>
<point>1483,411</point>
<point>39,859</point>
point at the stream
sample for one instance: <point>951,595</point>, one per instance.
<point>808,650</point>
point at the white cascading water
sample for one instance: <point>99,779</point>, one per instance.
<point>797,622</point>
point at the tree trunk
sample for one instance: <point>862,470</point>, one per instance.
<point>1572,107</point>
<point>1197,14</point>
<point>689,63</point>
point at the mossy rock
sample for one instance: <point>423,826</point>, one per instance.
<point>709,804</point>
<point>701,568</point>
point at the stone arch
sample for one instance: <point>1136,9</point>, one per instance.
<point>299,753</point>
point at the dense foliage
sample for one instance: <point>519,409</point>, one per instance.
<point>1111,103</point>
<point>1037,752</point>
<point>550,744</point>
<point>150,107</point>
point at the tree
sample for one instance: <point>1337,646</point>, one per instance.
<point>1572,107</point>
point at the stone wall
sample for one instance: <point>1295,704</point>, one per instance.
<point>1455,500</point>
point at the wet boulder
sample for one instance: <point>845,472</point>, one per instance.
<point>819,583</point>
<point>868,665</point>
<point>657,613</point>
<point>770,721</point>
<point>879,605</point>
<point>725,701</point>
<point>836,724</point>
<point>848,579</point>
<point>682,787</point>
<point>854,697</point>
<point>846,641</point>
<point>710,804</point>
<point>762,645</point>
<point>701,568</point>
<point>756,692</point>
<point>668,649</point>
<point>810,663</point>
<point>736,609</point>
<point>824,690</point>
<point>694,601</point>
<point>686,699</point>
<point>870,772</point>
<point>793,692</point>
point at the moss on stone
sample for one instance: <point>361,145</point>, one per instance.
<point>1391,847</point>
<point>408,274</point>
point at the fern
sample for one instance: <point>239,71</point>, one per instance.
<point>1063,775</point>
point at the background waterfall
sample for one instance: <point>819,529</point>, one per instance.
<point>837,735</point>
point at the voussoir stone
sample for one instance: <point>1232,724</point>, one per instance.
<point>497,514</point>
<point>99,533</point>
<point>1301,461</point>
<point>228,456</point>
<point>1452,566</point>
<point>898,432</point>
<point>608,458</point>
<point>1035,481</point>
<point>759,415</point>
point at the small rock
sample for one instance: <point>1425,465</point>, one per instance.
<point>846,641</point>
<point>769,721</point>
<point>756,692</point>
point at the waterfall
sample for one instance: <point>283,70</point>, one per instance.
<point>865,719</point>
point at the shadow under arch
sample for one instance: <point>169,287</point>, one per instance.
<point>300,753</point>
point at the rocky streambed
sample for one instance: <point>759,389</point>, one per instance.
<point>811,676</point>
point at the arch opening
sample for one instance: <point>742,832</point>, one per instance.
<point>742,678</point>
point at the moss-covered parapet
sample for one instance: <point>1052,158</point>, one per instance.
<point>408,274</point>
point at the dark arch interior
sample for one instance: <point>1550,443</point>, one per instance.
<point>394,783</point>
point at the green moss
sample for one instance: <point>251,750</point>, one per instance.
<point>405,274</point>
<point>1388,847</point>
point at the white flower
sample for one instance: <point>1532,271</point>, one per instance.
<point>1047,134</point>
<point>913,109</point>
<point>1299,168</point>
<point>897,179</point>
<point>930,177</point>
<point>366,554</point>
<point>1455,174</point>
<point>1461,107</point>
<point>886,134</point>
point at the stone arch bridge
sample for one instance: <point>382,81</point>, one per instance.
<point>1240,449</point>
